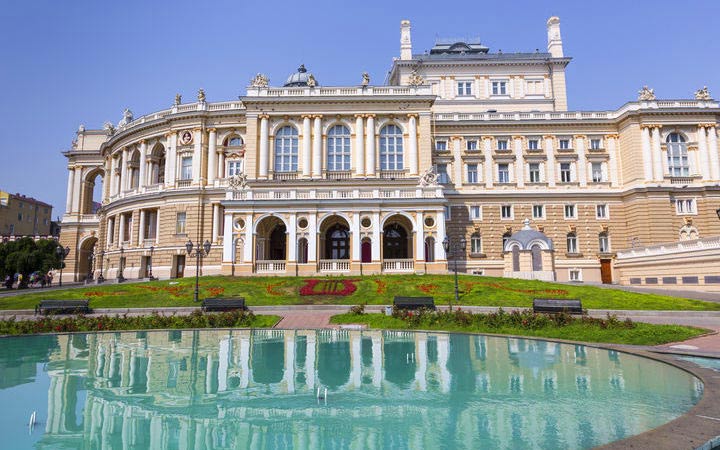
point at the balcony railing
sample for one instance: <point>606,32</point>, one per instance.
<point>338,174</point>
<point>392,174</point>
<point>184,183</point>
<point>270,266</point>
<point>284,176</point>
<point>322,194</point>
<point>334,265</point>
<point>398,265</point>
<point>711,243</point>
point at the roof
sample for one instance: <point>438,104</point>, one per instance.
<point>299,78</point>
<point>527,236</point>
<point>458,46</point>
<point>540,56</point>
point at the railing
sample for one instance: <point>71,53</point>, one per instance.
<point>269,266</point>
<point>153,187</point>
<point>284,175</point>
<point>338,91</point>
<point>670,248</point>
<point>324,194</point>
<point>392,174</point>
<point>184,183</point>
<point>398,265</point>
<point>681,180</point>
<point>334,265</point>
<point>338,174</point>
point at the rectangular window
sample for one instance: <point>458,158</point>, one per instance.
<point>464,88</point>
<point>685,206</point>
<point>601,211</point>
<point>570,212</point>
<point>538,211</point>
<point>506,212</point>
<point>442,173</point>
<point>180,223</point>
<point>502,144</point>
<point>564,144</point>
<point>604,243</point>
<point>472,173</point>
<point>595,144</point>
<point>475,244</point>
<point>128,227</point>
<point>499,88</point>
<point>565,173</point>
<point>12,229</point>
<point>111,230</point>
<point>597,174</point>
<point>535,87</point>
<point>575,275</point>
<point>186,168</point>
<point>447,212</point>
<point>441,146</point>
<point>533,144</point>
<point>150,231</point>
<point>234,168</point>
<point>471,145</point>
<point>572,246</point>
<point>534,172</point>
<point>20,217</point>
<point>503,173</point>
<point>476,212</point>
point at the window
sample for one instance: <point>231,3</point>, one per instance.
<point>499,88</point>
<point>533,144</point>
<point>150,231</point>
<point>20,205</point>
<point>572,244</point>
<point>441,170</point>
<point>685,206</point>
<point>447,212</point>
<point>186,168</point>
<point>595,144</point>
<point>565,173</point>
<point>601,211</point>
<point>534,172</point>
<point>538,211</point>
<point>127,218</point>
<point>604,243</point>
<point>471,145</point>
<point>505,238</point>
<point>476,212</point>
<point>575,275</point>
<point>464,88</point>
<point>234,168</point>
<point>597,173</point>
<point>12,229</point>
<point>677,154</point>
<point>20,217</point>
<point>286,149</point>
<point>564,144</point>
<point>180,223</point>
<point>235,141</point>
<point>502,144</point>
<point>475,243</point>
<point>338,148</point>
<point>570,212</point>
<point>391,148</point>
<point>535,87</point>
<point>472,173</point>
<point>111,230</point>
<point>441,146</point>
<point>503,173</point>
<point>506,212</point>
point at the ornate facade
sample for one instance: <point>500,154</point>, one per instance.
<point>462,142</point>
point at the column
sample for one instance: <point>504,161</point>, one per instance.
<point>157,226</point>
<point>312,238</point>
<point>376,237</point>
<point>228,243</point>
<point>307,147</point>
<point>519,161</point>
<point>377,358</point>
<point>550,166</point>
<point>220,169</point>
<point>582,160</point>
<point>249,247</point>
<point>646,152</point>
<point>370,146</point>
<point>143,165</point>
<point>77,190</point>
<point>657,154</point>
<point>612,157</point>
<point>264,149</point>
<point>703,153</point>
<point>412,141</point>
<point>289,372</point>
<point>317,147</point>
<point>110,176</point>
<point>141,231</point>
<point>355,236</point>
<point>215,222</point>
<point>170,159</point>
<point>121,234</point>
<point>419,237</point>
<point>421,371</point>
<point>70,190</point>
<point>489,163</point>
<point>197,156</point>
<point>292,238</point>
<point>713,150</point>
<point>212,159</point>
<point>123,171</point>
<point>457,162</point>
<point>109,231</point>
<point>310,360</point>
<point>359,145</point>
<point>439,250</point>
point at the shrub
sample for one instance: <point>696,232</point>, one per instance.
<point>358,309</point>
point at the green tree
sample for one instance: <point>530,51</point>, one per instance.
<point>25,256</point>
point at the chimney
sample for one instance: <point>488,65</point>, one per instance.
<point>405,42</point>
<point>554,45</point>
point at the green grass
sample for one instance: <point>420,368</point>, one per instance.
<point>481,291</point>
<point>639,334</point>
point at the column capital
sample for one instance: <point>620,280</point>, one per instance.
<point>413,115</point>
<point>650,125</point>
<point>456,138</point>
<point>359,116</point>
<point>517,137</point>
<point>612,136</point>
<point>306,116</point>
<point>707,125</point>
<point>371,116</point>
<point>143,141</point>
<point>548,136</point>
<point>212,130</point>
<point>580,136</point>
<point>263,116</point>
<point>317,116</point>
<point>170,134</point>
<point>487,138</point>
<point>196,129</point>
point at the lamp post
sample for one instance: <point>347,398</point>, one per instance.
<point>120,277</point>
<point>199,253</point>
<point>62,254</point>
<point>453,247</point>
<point>101,278</point>
<point>90,275</point>
<point>150,275</point>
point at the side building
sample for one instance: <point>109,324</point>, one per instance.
<point>462,143</point>
<point>22,216</point>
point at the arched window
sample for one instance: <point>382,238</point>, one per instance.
<point>572,245</point>
<point>604,242</point>
<point>302,251</point>
<point>337,242</point>
<point>677,155</point>
<point>476,243</point>
<point>516,258</point>
<point>286,150</point>
<point>391,148</point>
<point>536,253</point>
<point>157,165</point>
<point>338,148</point>
<point>430,249</point>
<point>234,141</point>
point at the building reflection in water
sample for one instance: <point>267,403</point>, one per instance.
<point>256,389</point>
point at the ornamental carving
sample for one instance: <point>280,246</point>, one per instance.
<point>415,79</point>
<point>702,94</point>
<point>646,94</point>
<point>428,178</point>
<point>259,81</point>
<point>238,182</point>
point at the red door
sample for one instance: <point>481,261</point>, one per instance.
<point>366,252</point>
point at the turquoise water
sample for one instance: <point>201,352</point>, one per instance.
<point>258,389</point>
<point>708,363</point>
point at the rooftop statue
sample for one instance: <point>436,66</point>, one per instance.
<point>703,94</point>
<point>201,96</point>
<point>127,118</point>
<point>178,99</point>
<point>109,128</point>
<point>415,79</point>
<point>259,81</point>
<point>311,82</point>
<point>646,94</point>
<point>365,78</point>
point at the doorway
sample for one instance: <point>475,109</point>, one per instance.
<point>606,271</point>
<point>179,266</point>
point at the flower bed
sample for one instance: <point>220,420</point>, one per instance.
<point>342,288</point>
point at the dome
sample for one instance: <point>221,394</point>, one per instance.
<point>527,237</point>
<point>301,78</point>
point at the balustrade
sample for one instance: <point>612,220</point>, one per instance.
<point>398,265</point>
<point>334,265</point>
<point>270,266</point>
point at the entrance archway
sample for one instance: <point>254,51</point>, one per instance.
<point>92,194</point>
<point>85,256</point>
<point>271,240</point>
<point>335,238</point>
<point>397,238</point>
<point>366,250</point>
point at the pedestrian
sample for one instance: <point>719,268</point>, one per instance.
<point>20,280</point>
<point>49,278</point>
<point>8,282</point>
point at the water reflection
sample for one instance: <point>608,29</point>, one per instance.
<point>256,389</point>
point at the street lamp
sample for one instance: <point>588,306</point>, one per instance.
<point>199,253</point>
<point>101,278</point>
<point>120,277</point>
<point>62,254</point>
<point>454,247</point>
<point>150,275</point>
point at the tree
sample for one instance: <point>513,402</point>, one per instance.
<point>25,256</point>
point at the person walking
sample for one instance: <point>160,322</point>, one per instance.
<point>49,278</point>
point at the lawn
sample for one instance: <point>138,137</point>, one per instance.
<point>474,290</point>
<point>587,330</point>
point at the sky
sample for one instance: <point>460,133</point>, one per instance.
<point>66,63</point>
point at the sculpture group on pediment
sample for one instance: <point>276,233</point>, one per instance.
<point>703,94</point>
<point>259,81</point>
<point>238,182</point>
<point>109,128</point>
<point>127,118</point>
<point>415,79</point>
<point>428,178</point>
<point>178,99</point>
<point>646,94</point>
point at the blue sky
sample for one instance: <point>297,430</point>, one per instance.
<point>70,62</point>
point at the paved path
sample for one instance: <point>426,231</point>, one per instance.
<point>306,319</point>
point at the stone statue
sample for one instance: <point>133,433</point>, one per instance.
<point>365,79</point>
<point>127,118</point>
<point>109,128</point>
<point>238,182</point>
<point>311,82</point>
<point>201,96</point>
<point>415,79</point>
<point>428,178</point>
<point>646,94</point>
<point>259,81</point>
<point>703,94</point>
<point>178,99</point>
<point>81,128</point>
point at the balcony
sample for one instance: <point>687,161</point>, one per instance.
<point>284,176</point>
<point>334,265</point>
<point>398,266</point>
<point>270,266</point>
<point>392,174</point>
<point>184,183</point>
<point>338,174</point>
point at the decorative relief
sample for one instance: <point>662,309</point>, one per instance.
<point>238,182</point>
<point>703,94</point>
<point>646,94</point>
<point>428,178</point>
<point>186,137</point>
<point>259,81</point>
<point>415,79</point>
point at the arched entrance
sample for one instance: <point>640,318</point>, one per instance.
<point>85,259</point>
<point>335,238</point>
<point>271,240</point>
<point>366,250</point>
<point>397,244</point>
<point>92,194</point>
<point>157,165</point>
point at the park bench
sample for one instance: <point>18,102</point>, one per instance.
<point>223,304</point>
<point>62,307</point>
<point>554,306</point>
<point>414,302</point>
